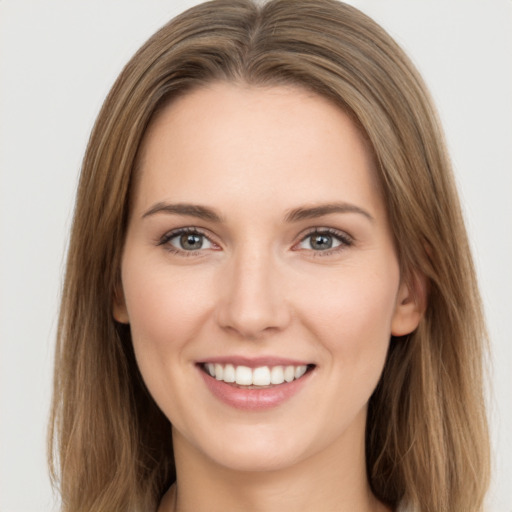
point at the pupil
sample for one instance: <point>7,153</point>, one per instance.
<point>191,242</point>
<point>321,242</point>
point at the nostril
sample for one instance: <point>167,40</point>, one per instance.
<point>251,303</point>
<point>252,323</point>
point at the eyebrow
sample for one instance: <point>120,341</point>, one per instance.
<point>191,210</point>
<point>295,215</point>
<point>302,213</point>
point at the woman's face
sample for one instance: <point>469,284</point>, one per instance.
<point>258,249</point>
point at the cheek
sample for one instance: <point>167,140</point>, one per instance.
<point>165,310</point>
<point>352,316</point>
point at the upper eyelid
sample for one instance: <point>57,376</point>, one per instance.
<point>168,235</point>
<point>186,229</point>
<point>326,230</point>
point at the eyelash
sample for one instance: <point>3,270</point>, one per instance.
<point>164,241</point>
<point>344,239</point>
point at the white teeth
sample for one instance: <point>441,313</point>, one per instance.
<point>289,373</point>
<point>260,376</point>
<point>277,375</point>
<point>300,371</point>
<point>219,372</point>
<point>243,375</point>
<point>229,373</point>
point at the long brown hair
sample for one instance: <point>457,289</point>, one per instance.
<point>426,440</point>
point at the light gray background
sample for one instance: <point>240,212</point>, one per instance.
<point>57,61</point>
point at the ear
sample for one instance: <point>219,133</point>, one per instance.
<point>410,305</point>
<point>119,310</point>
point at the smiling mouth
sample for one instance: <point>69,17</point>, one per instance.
<point>255,378</point>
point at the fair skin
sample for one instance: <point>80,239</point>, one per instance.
<point>287,259</point>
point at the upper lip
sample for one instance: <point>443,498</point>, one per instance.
<point>254,362</point>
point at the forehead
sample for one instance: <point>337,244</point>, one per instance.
<point>255,142</point>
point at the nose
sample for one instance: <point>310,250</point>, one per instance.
<point>252,301</point>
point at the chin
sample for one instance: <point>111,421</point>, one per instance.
<point>258,447</point>
<point>257,459</point>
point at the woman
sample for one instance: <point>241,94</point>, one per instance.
<point>269,301</point>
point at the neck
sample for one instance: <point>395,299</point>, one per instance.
<point>334,479</point>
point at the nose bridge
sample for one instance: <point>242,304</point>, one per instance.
<point>253,301</point>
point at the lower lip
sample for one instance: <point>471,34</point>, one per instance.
<point>253,399</point>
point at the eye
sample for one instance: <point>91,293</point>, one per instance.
<point>324,240</point>
<point>186,240</point>
<point>190,242</point>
